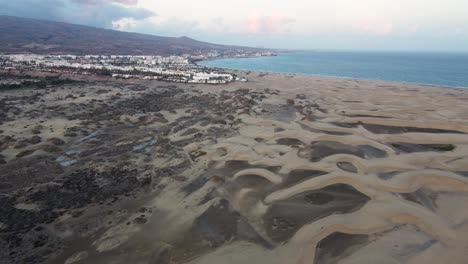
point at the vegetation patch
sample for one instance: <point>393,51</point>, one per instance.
<point>11,82</point>
<point>445,147</point>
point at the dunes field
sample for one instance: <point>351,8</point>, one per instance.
<point>281,169</point>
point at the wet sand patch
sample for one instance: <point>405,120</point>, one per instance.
<point>321,149</point>
<point>298,175</point>
<point>337,246</point>
<point>410,148</point>
<point>218,225</point>
<point>289,142</point>
<point>382,129</point>
<point>423,197</point>
<point>285,217</point>
<point>347,166</point>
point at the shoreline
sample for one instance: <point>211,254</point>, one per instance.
<point>345,78</point>
<point>80,77</point>
<point>318,75</point>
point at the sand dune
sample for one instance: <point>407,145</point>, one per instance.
<point>282,169</point>
<point>368,154</point>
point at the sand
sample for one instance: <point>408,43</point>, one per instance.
<point>282,169</point>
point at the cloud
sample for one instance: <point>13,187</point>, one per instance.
<point>362,24</point>
<point>171,26</point>
<point>383,29</point>
<point>124,24</point>
<point>98,13</point>
<point>94,2</point>
<point>273,23</point>
<point>216,25</point>
<point>413,29</point>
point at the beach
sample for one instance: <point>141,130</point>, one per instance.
<point>280,169</point>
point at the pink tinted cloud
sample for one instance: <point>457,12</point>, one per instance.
<point>93,2</point>
<point>267,23</point>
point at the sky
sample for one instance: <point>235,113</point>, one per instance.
<point>400,25</point>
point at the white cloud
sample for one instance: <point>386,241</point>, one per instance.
<point>124,24</point>
<point>366,24</point>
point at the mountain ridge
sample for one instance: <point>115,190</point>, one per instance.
<point>28,35</point>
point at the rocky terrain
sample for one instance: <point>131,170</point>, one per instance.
<point>283,169</point>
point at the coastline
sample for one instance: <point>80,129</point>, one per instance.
<point>320,75</point>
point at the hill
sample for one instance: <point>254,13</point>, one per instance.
<point>25,35</point>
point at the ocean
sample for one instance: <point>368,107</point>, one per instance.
<point>441,69</point>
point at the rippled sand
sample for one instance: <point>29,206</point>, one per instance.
<point>360,172</point>
<point>307,170</point>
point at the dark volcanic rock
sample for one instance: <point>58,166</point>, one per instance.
<point>35,140</point>
<point>20,173</point>
<point>82,188</point>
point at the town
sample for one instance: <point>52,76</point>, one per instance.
<point>181,69</point>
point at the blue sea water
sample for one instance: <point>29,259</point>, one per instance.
<point>442,69</point>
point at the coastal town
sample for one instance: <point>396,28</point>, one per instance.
<point>181,69</point>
